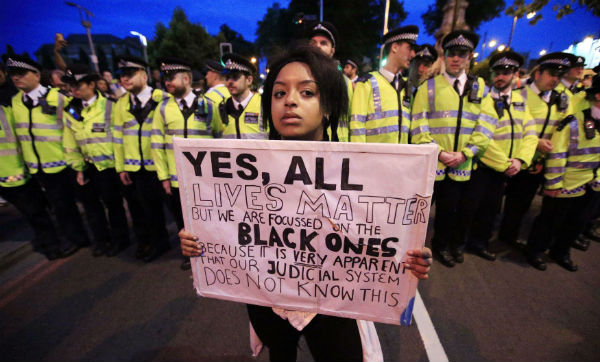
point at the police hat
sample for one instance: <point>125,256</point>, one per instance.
<point>558,60</point>
<point>128,62</point>
<point>506,60</point>
<point>407,33</point>
<point>577,61</point>
<point>236,63</point>
<point>461,38</point>
<point>16,63</point>
<point>426,52</point>
<point>326,29</point>
<point>173,65</point>
<point>79,73</point>
<point>352,61</point>
<point>213,66</point>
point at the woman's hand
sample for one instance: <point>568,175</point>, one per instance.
<point>189,244</point>
<point>419,262</point>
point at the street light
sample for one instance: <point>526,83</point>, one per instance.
<point>492,43</point>
<point>542,52</point>
<point>512,30</point>
<point>145,46</point>
<point>531,15</point>
<point>501,47</point>
<point>475,55</point>
<point>87,25</point>
<point>253,60</point>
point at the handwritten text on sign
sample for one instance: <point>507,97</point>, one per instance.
<point>312,226</point>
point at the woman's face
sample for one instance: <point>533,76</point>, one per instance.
<point>295,104</point>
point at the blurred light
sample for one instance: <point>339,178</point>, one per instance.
<point>262,76</point>
<point>384,62</point>
<point>588,39</point>
<point>141,36</point>
<point>253,60</point>
<point>267,70</point>
<point>530,15</point>
<point>501,47</point>
<point>475,55</point>
<point>542,52</point>
<point>492,43</point>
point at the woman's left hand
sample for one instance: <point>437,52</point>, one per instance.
<point>419,262</point>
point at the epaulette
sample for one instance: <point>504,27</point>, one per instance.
<point>565,121</point>
<point>365,77</point>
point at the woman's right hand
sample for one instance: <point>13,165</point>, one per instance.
<point>189,244</point>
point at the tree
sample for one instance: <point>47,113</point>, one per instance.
<point>359,24</point>
<point>519,8</point>
<point>478,12</point>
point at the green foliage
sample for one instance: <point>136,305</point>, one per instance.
<point>239,44</point>
<point>519,8</point>
<point>478,12</point>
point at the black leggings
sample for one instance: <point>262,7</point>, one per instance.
<point>328,338</point>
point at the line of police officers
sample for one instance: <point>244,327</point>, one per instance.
<point>491,142</point>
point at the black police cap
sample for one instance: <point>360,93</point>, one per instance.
<point>576,60</point>
<point>129,62</point>
<point>79,73</point>
<point>326,29</point>
<point>172,64</point>
<point>213,66</point>
<point>352,61</point>
<point>408,33</point>
<point>506,60</point>
<point>18,62</point>
<point>237,63</point>
<point>461,38</point>
<point>557,60</point>
<point>427,51</point>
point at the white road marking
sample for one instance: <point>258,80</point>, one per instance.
<point>431,341</point>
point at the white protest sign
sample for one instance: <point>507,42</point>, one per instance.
<point>313,226</point>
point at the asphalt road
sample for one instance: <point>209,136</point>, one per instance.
<point>119,309</point>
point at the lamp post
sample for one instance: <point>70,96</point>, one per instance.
<point>87,25</point>
<point>145,46</point>
<point>512,30</point>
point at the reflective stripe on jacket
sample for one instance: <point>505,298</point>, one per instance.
<point>12,168</point>
<point>249,125</point>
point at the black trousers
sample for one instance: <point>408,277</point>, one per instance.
<point>449,195</point>
<point>520,191</point>
<point>559,223</point>
<point>176,207</point>
<point>481,204</point>
<point>60,192</point>
<point>145,200</point>
<point>328,338</point>
<point>31,202</point>
<point>107,185</point>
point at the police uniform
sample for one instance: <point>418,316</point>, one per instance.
<point>425,53</point>
<point>575,90</point>
<point>449,111</point>
<point>218,92</point>
<point>192,116</point>
<point>131,141</point>
<point>38,117</point>
<point>240,120</point>
<point>88,142</point>
<point>25,194</point>
<point>353,63</point>
<point>547,109</point>
<point>381,102</point>
<point>515,137</point>
<point>329,31</point>
<point>572,170</point>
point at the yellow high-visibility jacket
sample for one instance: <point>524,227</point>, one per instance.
<point>217,94</point>
<point>169,122</point>
<point>249,125</point>
<point>515,135</point>
<point>578,101</point>
<point>546,116</point>
<point>456,124</point>
<point>88,136</point>
<point>39,131</point>
<point>12,168</point>
<point>376,113</point>
<point>132,139</point>
<point>574,160</point>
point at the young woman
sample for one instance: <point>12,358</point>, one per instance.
<point>304,94</point>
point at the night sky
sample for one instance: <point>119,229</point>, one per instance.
<point>26,24</point>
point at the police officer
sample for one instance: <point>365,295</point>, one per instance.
<point>511,148</point>
<point>183,114</point>
<point>240,114</point>
<point>381,101</point>
<point>88,143</point>
<point>133,159</point>
<point>547,107</point>
<point>324,36</point>
<point>572,84</point>
<point>572,185</point>
<point>448,110</point>
<point>351,70</point>
<point>38,114</point>
<point>420,67</point>
<point>24,193</point>
<point>215,81</point>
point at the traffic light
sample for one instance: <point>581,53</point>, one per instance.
<point>298,18</point>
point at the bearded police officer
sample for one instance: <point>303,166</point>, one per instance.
<point>240,114</point>
<point>38,115</point>
<point>448,110</point>
<point>133,158</point>
<point>547,107</point>
<point>381,102</point>
<point>511,148</point>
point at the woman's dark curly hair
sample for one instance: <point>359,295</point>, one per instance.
<point>330,82</point>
